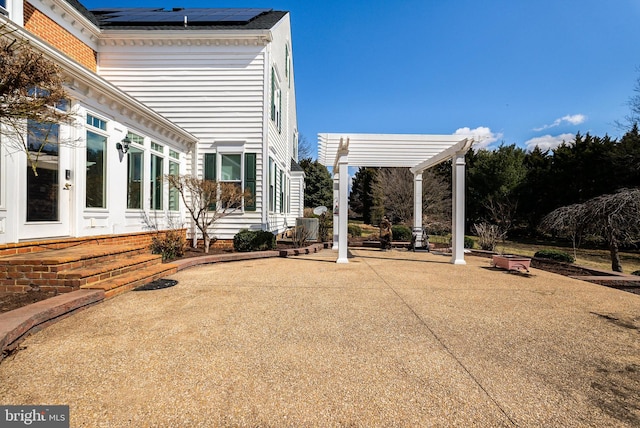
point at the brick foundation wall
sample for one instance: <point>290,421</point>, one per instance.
<point>42,26</point>
<point>142,239</point>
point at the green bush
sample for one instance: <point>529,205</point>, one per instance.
<point>242,241</point>
<point>557,255</point>
<point>468,242</point>
<point>170,244</point>
<point>254,240</point>
<point>264,240</point>
<point>401,233</point>
<point>354,230</point>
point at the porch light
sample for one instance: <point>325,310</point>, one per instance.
<point>123,146</point>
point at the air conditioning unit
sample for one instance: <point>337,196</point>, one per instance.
<point>310,227</point>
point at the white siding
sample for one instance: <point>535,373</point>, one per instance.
<point>219,89</point>
<point>214,92</point>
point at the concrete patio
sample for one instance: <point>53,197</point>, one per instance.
<point>389,339</point>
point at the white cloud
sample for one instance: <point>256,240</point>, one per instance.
<point>547,142</point>
<point>573,119</point>
<point>483,136</point>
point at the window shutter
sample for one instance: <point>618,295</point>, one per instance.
<point>210,166</point>
<point>273,94</point>
<point>280,112</point>
<point>281,191</point>
<point>250,179</point>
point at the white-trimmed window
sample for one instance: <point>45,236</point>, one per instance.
<point>229,166</point>
<point>272,185</point>
<point>231,172</point>
<point>174,170</point>
<point>276,101</point>
<point>157,175</point>
<point>135,172</point>
<point>96,163</point>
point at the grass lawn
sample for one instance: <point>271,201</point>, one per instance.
<point>597,258</point>
<point>588,257</point>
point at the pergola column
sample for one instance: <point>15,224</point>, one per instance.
<point>458,214</point>
<point>417,208</point>
<point>336,197</point>
<point>343,207</point>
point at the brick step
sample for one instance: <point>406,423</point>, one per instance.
<point>125,282</point>
<point>101,271</point>
<point>72,257</point>
<point>20,272</point>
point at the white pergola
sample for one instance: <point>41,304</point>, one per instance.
<point>417,152</point>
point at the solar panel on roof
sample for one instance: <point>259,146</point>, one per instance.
<point>142,16</point>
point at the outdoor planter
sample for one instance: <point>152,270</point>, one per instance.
<point>511,262</point>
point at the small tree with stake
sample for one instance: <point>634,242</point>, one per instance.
<point>208,201</point>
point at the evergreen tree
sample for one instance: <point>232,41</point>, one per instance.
<point>361,200</point>
<point>318,184</point>
<point>533,194</point>
<point>626,159</point>
<point>492,180</point>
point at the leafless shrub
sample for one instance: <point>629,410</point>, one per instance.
<point>31,90</point>
<point>488,235</point>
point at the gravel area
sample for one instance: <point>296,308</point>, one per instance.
<point>390,339</point>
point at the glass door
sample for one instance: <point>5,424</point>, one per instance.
<point>47,191</point>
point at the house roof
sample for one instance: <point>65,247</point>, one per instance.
<point>83,11</point>
<point>295,166</point>
<point>185,18</point>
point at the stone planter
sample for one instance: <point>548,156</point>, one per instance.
<point>511,262</point>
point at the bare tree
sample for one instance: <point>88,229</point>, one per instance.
<point>501,212</point>
<point>567,222</point>
<point>31,92</point>
<point>436,197</point>
<point>612,218</point>
<point>208,201</point>
<point>615,218</point>
<point>396,187</point>
<point>633,117</point>
<point>305,151</point>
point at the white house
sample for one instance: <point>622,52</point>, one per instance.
<point>209,92</point>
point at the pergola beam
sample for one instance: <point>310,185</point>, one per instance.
<point>443,156</point>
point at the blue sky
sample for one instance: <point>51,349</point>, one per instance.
<point>512,71</point>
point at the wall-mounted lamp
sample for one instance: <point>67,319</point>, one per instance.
<point>123,146</point>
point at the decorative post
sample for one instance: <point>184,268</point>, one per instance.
<point>343,208</point>
<point>458,215</point>
<point>417,209</point>
<point>336,197</point>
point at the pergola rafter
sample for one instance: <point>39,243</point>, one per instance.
<point>415,151</point>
